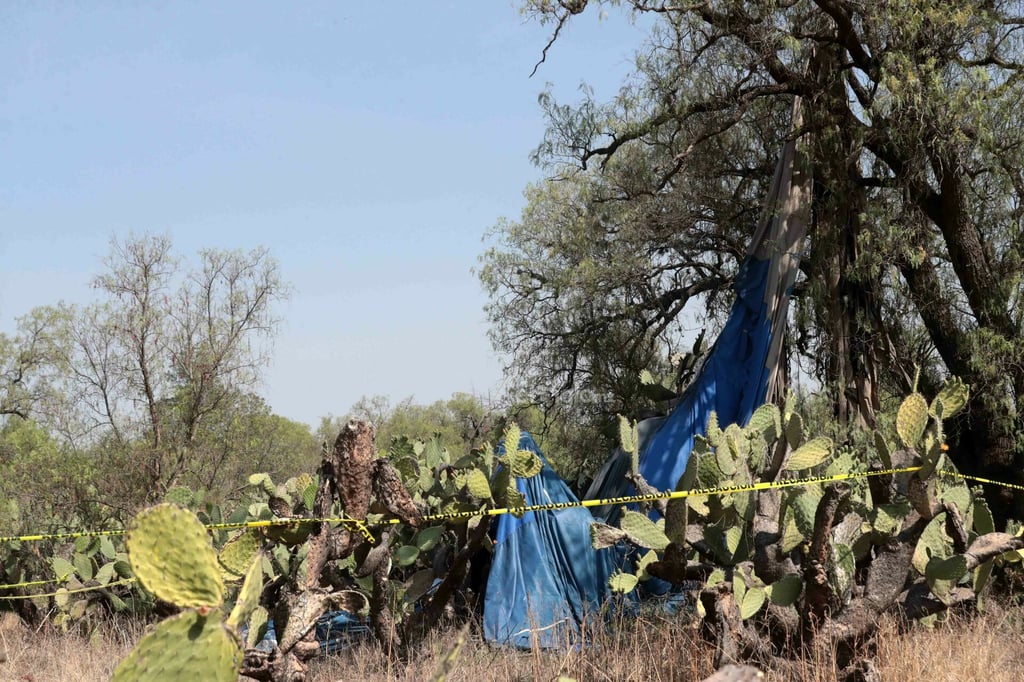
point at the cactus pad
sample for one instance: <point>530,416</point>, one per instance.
<point>795,431</point>
<point>179,495</point>
<point>171,554</point>
<point>643,531</point>
<point>952,397</point>
<point>623,582</point>
<point>257,627</point>
<point>753,600</point>
<point>713,432</point>
<point>911,419</point>
<point>785,591</point>
<point>249,595</point>
<point>628,438</point>
<point>237,553</point>
<point>478,485</point>
<point>525,464</point>
<point>811,453</point>
<point>766,420</point>
<point>187,646</point>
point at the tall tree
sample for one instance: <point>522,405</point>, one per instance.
<point>167,348</point>
<point>916,155</point>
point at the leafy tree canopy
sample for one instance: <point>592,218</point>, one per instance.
<point>914,257</point>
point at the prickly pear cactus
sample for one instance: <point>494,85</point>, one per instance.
<point>805,548</point>
<point>188,646</point>
<point>172,556</point>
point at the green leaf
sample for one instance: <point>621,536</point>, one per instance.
<point>105,574</point>
<point>733,535</point>
<point>107,548</point>
<point>716,577</point>
<point>83,566</point>
<point>62,568</point>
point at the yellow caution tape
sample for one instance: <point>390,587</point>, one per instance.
<point>667,495</point>
<point>979,479</point>
<point>60,592</point>
<point>362,526</point>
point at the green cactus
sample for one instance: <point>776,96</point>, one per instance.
<point>623,583</point>
<point>810,454</point>
<point>642,531</point>
<point>173,558</point>
<point>478,485</point>
<point>179,495</point>
<point>188,646</point>
<point>951,399</point>
<point>794,430</point>
<point>911,420</point>
<point>237,554</point>
<point>766,420</point>
<point>713,433</point>
<point>249,594</point>
<point>785,591</point>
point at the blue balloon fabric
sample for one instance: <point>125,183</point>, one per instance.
<point>732,383</point>
<point>546,579</point>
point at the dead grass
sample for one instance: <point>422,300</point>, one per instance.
<point>988,648</point>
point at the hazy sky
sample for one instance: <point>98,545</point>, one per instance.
<point>368,145</point>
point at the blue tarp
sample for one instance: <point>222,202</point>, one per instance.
<point>545,578</point>
<point>733,381</point>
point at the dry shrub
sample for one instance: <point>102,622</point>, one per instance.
<point>988,648</point>
<point>47,655</point>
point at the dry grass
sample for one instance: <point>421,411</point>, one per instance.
<point>989,648</point>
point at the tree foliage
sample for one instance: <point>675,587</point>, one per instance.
<point>915,251</point>
<point>149,387</point>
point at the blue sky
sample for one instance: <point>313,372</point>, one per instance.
<point>369,146</point>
